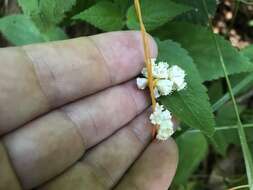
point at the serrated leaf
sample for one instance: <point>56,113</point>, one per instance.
<point>198,14</point>
<point>20,30</point>
<point>192,150</point>
<point>29,7</point>
<point>199,42</point>
<point>155,13</point>
<point>104,15</point>
<point>190,105</point>
<point>46,13</point>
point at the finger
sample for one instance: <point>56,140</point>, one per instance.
<point>8,179</point>
<point>155,168</point>
<point>55,141</point>
<point>106,163</point>
<point>37,78</point>
<point>100,115</point>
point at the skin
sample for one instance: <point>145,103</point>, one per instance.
<point>72,117</point>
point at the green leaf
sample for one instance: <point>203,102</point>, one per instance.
<point>201,46</point>
<point>197,15</point>
<point>55,33</point>
<point>222,139</point>
<point>190,105</point>
<point>123,4</point>
<point>29,7</point>
<point>20,30</point>
<point>241,83</point>
<point>215,91</point>
<point>226,117</point>
<point>192,150</point>
<point>104,15</point>
<point>46,13</point>
<point>248,52</point>
<point>251,148</point>
<point>155,13</point>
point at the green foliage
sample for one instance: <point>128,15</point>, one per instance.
<point>197,15</point>
<point>20,30</point>
<point>55,33</point>
<point>37,24</point>
<point>195,112</point>
<point>248,161</point>
<point>123,5</point>
<point>104,15</point>
<point>29,7</point>
<point>192,150</point>
<point>187,42</point>
<point>215,91</point>
<point>222,139</point>
<point>46,13</point>
<point>155,14</point>
<point>248,52</point>
<point>201,46</point>
<point>227,117</point>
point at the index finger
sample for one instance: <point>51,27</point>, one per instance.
<point>37,78</point>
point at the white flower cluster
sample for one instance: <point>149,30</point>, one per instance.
<point>162,117</point>
<point>166,80</point>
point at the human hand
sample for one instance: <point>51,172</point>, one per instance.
<point>71,117</point>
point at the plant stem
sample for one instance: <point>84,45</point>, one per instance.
<point>147,56</point>
<point>222,128</point>
<point>241,132</point>
<point>239,187</point>
<point>226,97</point>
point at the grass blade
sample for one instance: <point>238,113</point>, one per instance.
<point>222,128</point>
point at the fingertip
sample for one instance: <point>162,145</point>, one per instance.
<point>169,150</point>
<point>152,43</point>
<point>167,162</point>
<point>123,52</point>
<point>154,169</point>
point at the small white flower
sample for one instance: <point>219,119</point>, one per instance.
<point>181,86</point>
<point>144,71</point>
<point>162,117</point>
<point>159,70</point>
<point>153,60</point>
<point>165,130</point>
<point>156,93</point>
<point>177,76</point>
<point>164,86</point>
<point>142,83</point>
<point>165,81</point>
<point>159,115</point>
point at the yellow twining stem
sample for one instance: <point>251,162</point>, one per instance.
<point>147,57</point>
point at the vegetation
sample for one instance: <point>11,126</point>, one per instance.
<point>215,110</point>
